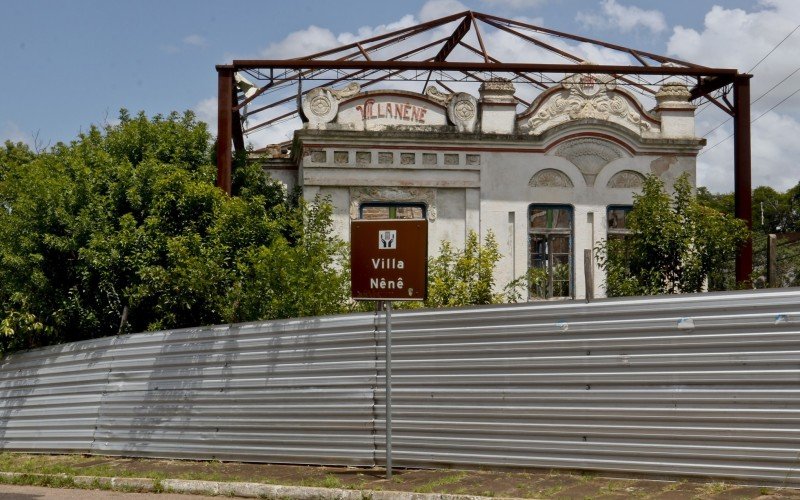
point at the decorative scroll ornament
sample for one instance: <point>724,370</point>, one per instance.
<point>550,177</point>
<point>463,111</point>
<point>349,90</point>
<point>321,104</point>
<point>586,96</point>
<point>626,179</point>
<point>436,95</point>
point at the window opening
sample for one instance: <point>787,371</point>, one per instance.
<point>550,245</point>
<point>378,211</point>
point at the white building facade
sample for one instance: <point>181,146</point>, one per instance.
<point>548,183</point>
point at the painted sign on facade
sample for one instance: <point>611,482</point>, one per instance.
<point>374,111</point>
<point>388,259</point>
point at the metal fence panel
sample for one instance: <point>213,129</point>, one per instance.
<point>696,384</point>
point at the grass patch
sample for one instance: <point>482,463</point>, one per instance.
<point>551,491</point>
<point>709,489</point>
<point>329,481</point>
<point>35,480</point>
<point>432,486</point>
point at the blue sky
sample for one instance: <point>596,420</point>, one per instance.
<point>72,64</point>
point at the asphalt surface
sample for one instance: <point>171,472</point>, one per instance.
<point>10,492</point>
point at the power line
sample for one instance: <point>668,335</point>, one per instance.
<point>773,48</point>
<point>718,126</point>
<point>775,106</point>
<point>776,85</point>
<point>750,71</point>
<point>752,121</point>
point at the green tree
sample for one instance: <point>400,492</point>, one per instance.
<point>123,230</point>
<point>464,277</point>
<point>773,212</point>
<point>674,245</point>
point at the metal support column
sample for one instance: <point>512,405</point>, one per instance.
<point>743,198</point>
<point>224,126</point>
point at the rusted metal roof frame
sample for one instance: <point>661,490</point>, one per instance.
<point>708,80</point>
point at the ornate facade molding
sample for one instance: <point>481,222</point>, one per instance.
<point>321,104</point>
<point>436,95</point>
<point>590,155</point>
<point>585,96</point>
<point>626,179</point>
<point>462,111</point>
<point>359,195</point>
<point>550,177</point>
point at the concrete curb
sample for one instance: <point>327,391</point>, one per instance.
<point>245,490</point>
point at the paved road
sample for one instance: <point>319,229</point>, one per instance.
<point>9,492</point>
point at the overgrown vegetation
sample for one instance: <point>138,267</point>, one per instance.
<point>464,277</point>
<point>774,212</point>
<point>674,245</point>
<point>123,230</point>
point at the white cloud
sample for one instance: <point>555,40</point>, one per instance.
<point>10,131</point>
<point>735,38</point>
<point>434,9</point>
<point>774,148</point>
<point>625,19</point>
<point>206,111</point>
<point>195,40</point>
<point>515,4</point>
<point>299,43</point>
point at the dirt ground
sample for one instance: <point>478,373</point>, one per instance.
<point>510,483</point>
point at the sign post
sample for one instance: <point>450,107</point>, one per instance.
<point>388,261</point>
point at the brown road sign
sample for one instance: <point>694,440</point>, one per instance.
<point>389,259</point>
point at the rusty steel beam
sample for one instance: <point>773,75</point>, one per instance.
<point>562,53</point>
<point>224,126</point>
<point>721,106</point>
<point>458,34</point>
<point>363,52</point>
<point>346,77</point>
<point>294,112</point>
<point>743,195</point>
<point>578,38</point>
<point>492,59</point>
<point>713,81</point>
<point>480,38</point>
<point>418,28</point>
<point>240,64</point>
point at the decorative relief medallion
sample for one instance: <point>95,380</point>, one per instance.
<point>321,104</point>
<point>359,195</point>
<point>451,159</point>
<point>463,112</point>
<point>626,179</point>
<point>550,177</point>
<point>587,96</point>
<point>408,158</point>
<point>590,155</point>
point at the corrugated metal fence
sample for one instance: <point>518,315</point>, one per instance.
<point>696,384</point>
